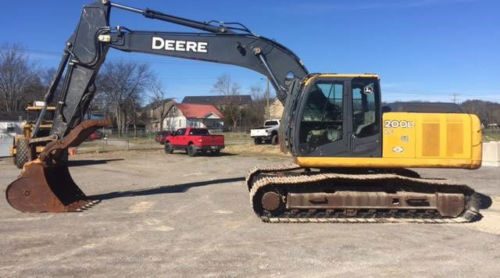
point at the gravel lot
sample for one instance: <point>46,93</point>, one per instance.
<point>176,216</point>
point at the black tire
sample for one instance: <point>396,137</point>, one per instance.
<point>274,139</point>
<point>22,153</point>
<point>191,150</point>
<point>64,158</point>
<point>168,148</point>
<point>257,141</point>
<point>13,147</point>
<point>215,152</point>
<point>32,153</point>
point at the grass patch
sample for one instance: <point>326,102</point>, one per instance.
<point>242,143</point>
<point>236,143</point>
<point>491,135</point>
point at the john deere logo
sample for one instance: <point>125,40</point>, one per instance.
<point>398,149</point>
<point>179,45</point>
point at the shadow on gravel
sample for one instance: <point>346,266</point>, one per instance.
<point>77,163</point>
<point>178,188</point>
<point>206,154</point>
<point>221,154</point>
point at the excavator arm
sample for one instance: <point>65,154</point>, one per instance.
<point>86,50</point>
<point>45,184</point>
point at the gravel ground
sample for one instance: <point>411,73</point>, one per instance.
<point>176,216</point>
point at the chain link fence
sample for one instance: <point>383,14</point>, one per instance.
<point>491,134</point>
<point>141,139</point>
<point>106,140</point>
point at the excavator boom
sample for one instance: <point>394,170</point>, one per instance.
<point>45,184</point>
<point>86,50</point>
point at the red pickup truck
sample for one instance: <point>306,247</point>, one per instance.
<point>194,140</point>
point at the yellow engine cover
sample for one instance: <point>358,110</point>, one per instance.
<point>418,140</point>
<point>433,140</point>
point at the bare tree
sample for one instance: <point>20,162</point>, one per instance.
<point>19,79</point>
<point>122,86</point>
<point>225,87</point>
<point>160,104</point>
<point>255,113</point>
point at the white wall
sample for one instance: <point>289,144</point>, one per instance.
<point>5,144</point>
<point>195,123</point>
<point>173,123</point>
<point>491,154</point>
<point>175,120</point>
<point>17,127</point>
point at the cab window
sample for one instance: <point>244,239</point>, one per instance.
<point>322,115</point>
<point>365,108</point>
<point>180,132</point>
<point>199,132</point>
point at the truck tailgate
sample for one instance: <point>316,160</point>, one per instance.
<point>258,132</point>
<point>212,140</point>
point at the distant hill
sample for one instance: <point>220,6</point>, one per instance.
<point>488,112</point>
<point>424,107</point>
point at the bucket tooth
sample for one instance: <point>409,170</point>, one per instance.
<point>42,188</point>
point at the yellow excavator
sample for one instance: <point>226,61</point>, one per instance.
<point>351,155</point>
<point>21,150</point>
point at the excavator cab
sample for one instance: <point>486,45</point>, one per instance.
<point>336,116</point>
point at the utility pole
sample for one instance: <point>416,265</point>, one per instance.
<point>455,95</point>
<point>267,100</point>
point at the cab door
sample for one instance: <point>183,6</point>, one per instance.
<point>365,118</point>
<point>179,140</point>
<point>321,123</point>
<point>339,117</point>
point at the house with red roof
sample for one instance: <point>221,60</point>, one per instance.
<point>194,115</point>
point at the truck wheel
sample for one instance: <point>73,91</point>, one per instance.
<point>168,148</point>
<point>215,152</point>
<point>64,159</point>
<point>12,148</point>
<point>257,141</point>
<point>22,153</point>
<point>274,140</point>
<point>191,150</point>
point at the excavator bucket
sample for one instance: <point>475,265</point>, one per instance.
<point>46,189</point>
<point>45,184</point>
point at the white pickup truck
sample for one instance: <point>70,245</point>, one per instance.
<point>266,134</point>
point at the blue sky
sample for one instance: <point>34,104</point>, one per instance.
<point>422,49</point>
